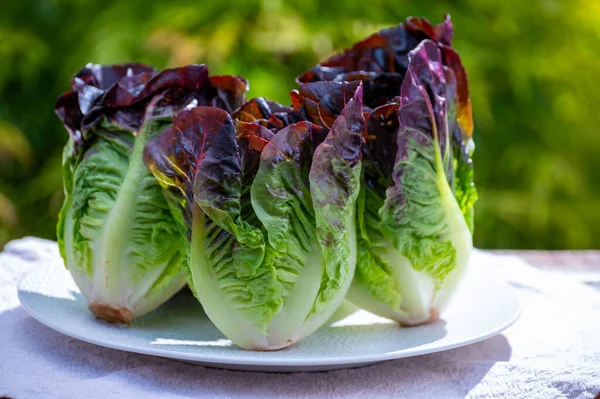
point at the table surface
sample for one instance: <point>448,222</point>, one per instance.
<point>565,261</point>
<point>552,351</point>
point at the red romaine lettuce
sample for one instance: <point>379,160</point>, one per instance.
<point>417,167</point>
<point>271,216</point>
<point>118,234</point>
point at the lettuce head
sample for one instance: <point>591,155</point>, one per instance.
<point>117,233</point>
<point>270,206</point>
<point>415,208</point>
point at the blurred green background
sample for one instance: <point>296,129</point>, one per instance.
<point>534,68</point>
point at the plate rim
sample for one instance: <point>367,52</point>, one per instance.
<point>280,362</point>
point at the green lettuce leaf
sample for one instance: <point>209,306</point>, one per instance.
<point>115,215</point>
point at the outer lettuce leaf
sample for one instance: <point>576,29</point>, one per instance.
<point>462,139</point>
<point>118,234</point>
<point>281,192</point>
<point>335,184</point>
<point>282,200</point>
<point>217,190</point>
<point>414,215</point>
<point>114,216</point>
<point>374,275</point>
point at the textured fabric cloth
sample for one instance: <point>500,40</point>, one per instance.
<point>553,351</point>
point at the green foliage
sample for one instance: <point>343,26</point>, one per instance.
<point>533,73</point>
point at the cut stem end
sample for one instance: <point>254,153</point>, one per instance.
<point>433,316</point>
<point>110,313</point>
<point>271,348</point>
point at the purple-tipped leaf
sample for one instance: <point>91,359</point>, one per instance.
<point>119,95</point>
<point>268,114</point>
<point>384,51</point>
<point>322,102</point>
<point>184,157</point>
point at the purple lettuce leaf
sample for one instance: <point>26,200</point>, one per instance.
<point>381,59</point>
<point>117,96</point>
<point>322,102</point>
<point>268,114</point>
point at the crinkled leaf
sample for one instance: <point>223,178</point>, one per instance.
<point>115,231</point>
<point>322,102</point>
<point>379,88</point>
<point>230,92</point>
<point>269,114</point>
<point>255,109</point>
<point>414,217</point>
<point>464,187</point>
<point>67,110</point>
<point>441,33</point>
<point>384,51</point>
<point>281,192</point>
<point>335,177</point>
<point>282,201</point>
<point>117,96</point>
<point>373,271</point>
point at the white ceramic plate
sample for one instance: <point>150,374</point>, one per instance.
<point>179,329</point>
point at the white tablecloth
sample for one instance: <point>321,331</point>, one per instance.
<point>553,351</point>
